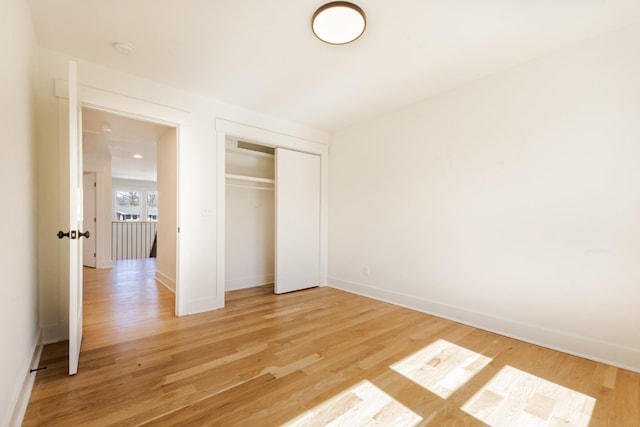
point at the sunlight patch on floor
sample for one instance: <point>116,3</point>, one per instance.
<point>360,405</point>
<point>517,398</point>
<point>441,367</point>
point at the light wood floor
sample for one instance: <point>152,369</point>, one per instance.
<point>308,358</point>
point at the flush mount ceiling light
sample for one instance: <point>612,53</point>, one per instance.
<point>338,22</point>
<point>137,156</point>
<point>124,48</point>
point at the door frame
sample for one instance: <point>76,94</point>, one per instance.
<point>138,109</point>
<point>93,238</point>
<point>232,129</point>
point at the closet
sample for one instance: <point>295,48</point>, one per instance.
<point>272,217</point>
<point>249,215</point>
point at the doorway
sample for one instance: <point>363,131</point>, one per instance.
<point>134,163</point>
<point>272,217</point>
<point>250,219</point>
<point>228,130</point>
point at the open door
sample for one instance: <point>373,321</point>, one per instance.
<point>75,222</point>
<point>297,185</point>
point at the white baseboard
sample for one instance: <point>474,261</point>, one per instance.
<point>166,281</point>
<point>22,401</point>
<point>54,333</point>
<point>581,346</point>
<point>200,305</point>
<point>105,264</point>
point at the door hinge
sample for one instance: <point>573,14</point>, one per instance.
<point>94,220</point>
<point>94,254</point>
<point>94,184</point>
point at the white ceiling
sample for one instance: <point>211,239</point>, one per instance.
<point>262,55</point>
<point>125,138</point>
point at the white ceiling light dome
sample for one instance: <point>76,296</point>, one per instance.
<point>338,22</point>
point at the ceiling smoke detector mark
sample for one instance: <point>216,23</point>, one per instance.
<point>124,48</point>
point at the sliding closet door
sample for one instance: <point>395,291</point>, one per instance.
<point>297,233</point>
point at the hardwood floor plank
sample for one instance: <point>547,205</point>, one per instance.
<point>311,356</point>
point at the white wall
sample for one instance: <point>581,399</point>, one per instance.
<point>511,203</point>
<point>198,178</point>
<point>250,244</point>
<point>167,208</point>
<point>19,328</point>
<point>133,184</point>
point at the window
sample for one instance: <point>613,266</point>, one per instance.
<point>128,198</point>
<point>152,206</point>
<point>135,205</point>
<point>128,206</point>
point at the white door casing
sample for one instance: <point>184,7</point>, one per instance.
<point>157,112</point>
<point>89,219</point>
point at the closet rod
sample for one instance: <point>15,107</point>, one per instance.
<point>249,178</point>
<point>252,187</point>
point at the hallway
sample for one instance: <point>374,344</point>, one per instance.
<point>124,303</point>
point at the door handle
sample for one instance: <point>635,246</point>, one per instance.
<point>85,234</point>
<point>70,234</point>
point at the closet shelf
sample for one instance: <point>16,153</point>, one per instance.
<point>249,178</point>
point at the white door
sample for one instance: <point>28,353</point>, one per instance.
<point>73,233</point>
<point>89,214</point>
<point>297,195</point>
